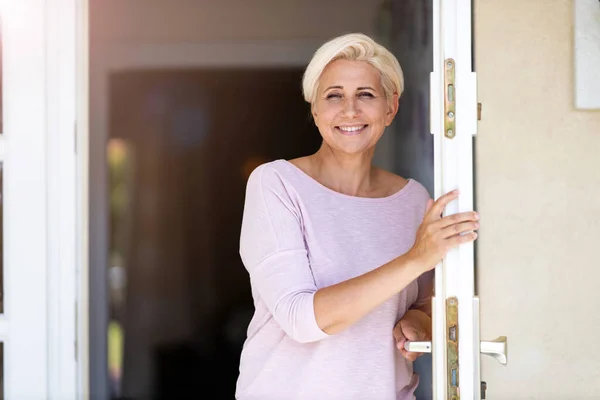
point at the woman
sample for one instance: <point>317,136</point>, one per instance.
<point>339,251</point>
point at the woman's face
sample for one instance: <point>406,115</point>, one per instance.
<point>351,109</point>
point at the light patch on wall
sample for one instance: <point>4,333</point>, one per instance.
<point>587,54</point>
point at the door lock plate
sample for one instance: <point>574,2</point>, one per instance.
<point>452,347</point>
<point>449,99</point>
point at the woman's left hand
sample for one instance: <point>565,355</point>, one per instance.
<point>415,326</point>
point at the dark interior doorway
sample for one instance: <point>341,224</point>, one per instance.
<point>182,144</point>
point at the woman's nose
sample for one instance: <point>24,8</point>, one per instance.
<point>350,109</point>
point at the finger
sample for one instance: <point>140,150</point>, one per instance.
<point>399,336</point>
<point>410,355</point>
<point>404,353</point>
<point>458,218</point>
<point>457,229</point>
<point>457,240</point>
<point>412,332</point>
<point>438,207</point>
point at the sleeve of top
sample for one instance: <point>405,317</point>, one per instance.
<point>273,251</point>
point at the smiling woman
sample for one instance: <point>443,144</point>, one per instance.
<point>352,104</point>
<point>339,252</point>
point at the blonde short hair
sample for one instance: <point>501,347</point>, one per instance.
<point>353,47</point>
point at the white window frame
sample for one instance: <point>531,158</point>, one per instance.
<point>40,198</point>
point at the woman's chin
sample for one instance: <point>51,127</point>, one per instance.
<point>352,148</point>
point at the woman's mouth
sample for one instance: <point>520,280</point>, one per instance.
<point>351,130</point>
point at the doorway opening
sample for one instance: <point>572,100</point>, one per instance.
<point>183,108</point>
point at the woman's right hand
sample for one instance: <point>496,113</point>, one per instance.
<point>436,236</point>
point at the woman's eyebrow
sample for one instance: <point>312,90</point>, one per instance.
<point>359,88</point>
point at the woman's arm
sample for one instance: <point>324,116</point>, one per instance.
<point>341,305</point>
<point>273,251</point>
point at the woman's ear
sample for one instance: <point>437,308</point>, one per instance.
<point>392,109</point>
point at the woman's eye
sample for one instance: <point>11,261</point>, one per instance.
<point>334,96</point>
<point>366,94</point>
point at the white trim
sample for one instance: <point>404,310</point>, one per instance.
<point>25,212</point>
<point>454,170</point>
<point>60,175</point>
<point>40,185</point>
<point>82,197</point>
<point>3,329</point>
<point>2,148</point>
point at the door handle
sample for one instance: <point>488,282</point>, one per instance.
<point>496,348</point>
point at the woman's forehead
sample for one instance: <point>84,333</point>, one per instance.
<point>348,74</point>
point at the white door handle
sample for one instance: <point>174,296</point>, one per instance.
<point>418,347</point>
<point>496,348</point>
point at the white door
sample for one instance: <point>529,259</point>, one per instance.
<point>456,345</point>
<point>38,156</point>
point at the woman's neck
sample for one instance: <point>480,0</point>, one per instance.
<point>344,173</point>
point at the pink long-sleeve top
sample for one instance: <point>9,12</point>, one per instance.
<point>299,236</point>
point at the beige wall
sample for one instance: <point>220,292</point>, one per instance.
<point>538,190</point>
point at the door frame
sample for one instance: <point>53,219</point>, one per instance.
<point>41,191</point>
<point>455,342</point>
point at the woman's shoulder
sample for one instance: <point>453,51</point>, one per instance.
<point>273,175</point>
<point>270,169</point>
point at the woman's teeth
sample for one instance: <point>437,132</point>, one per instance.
<point>352,128</point>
